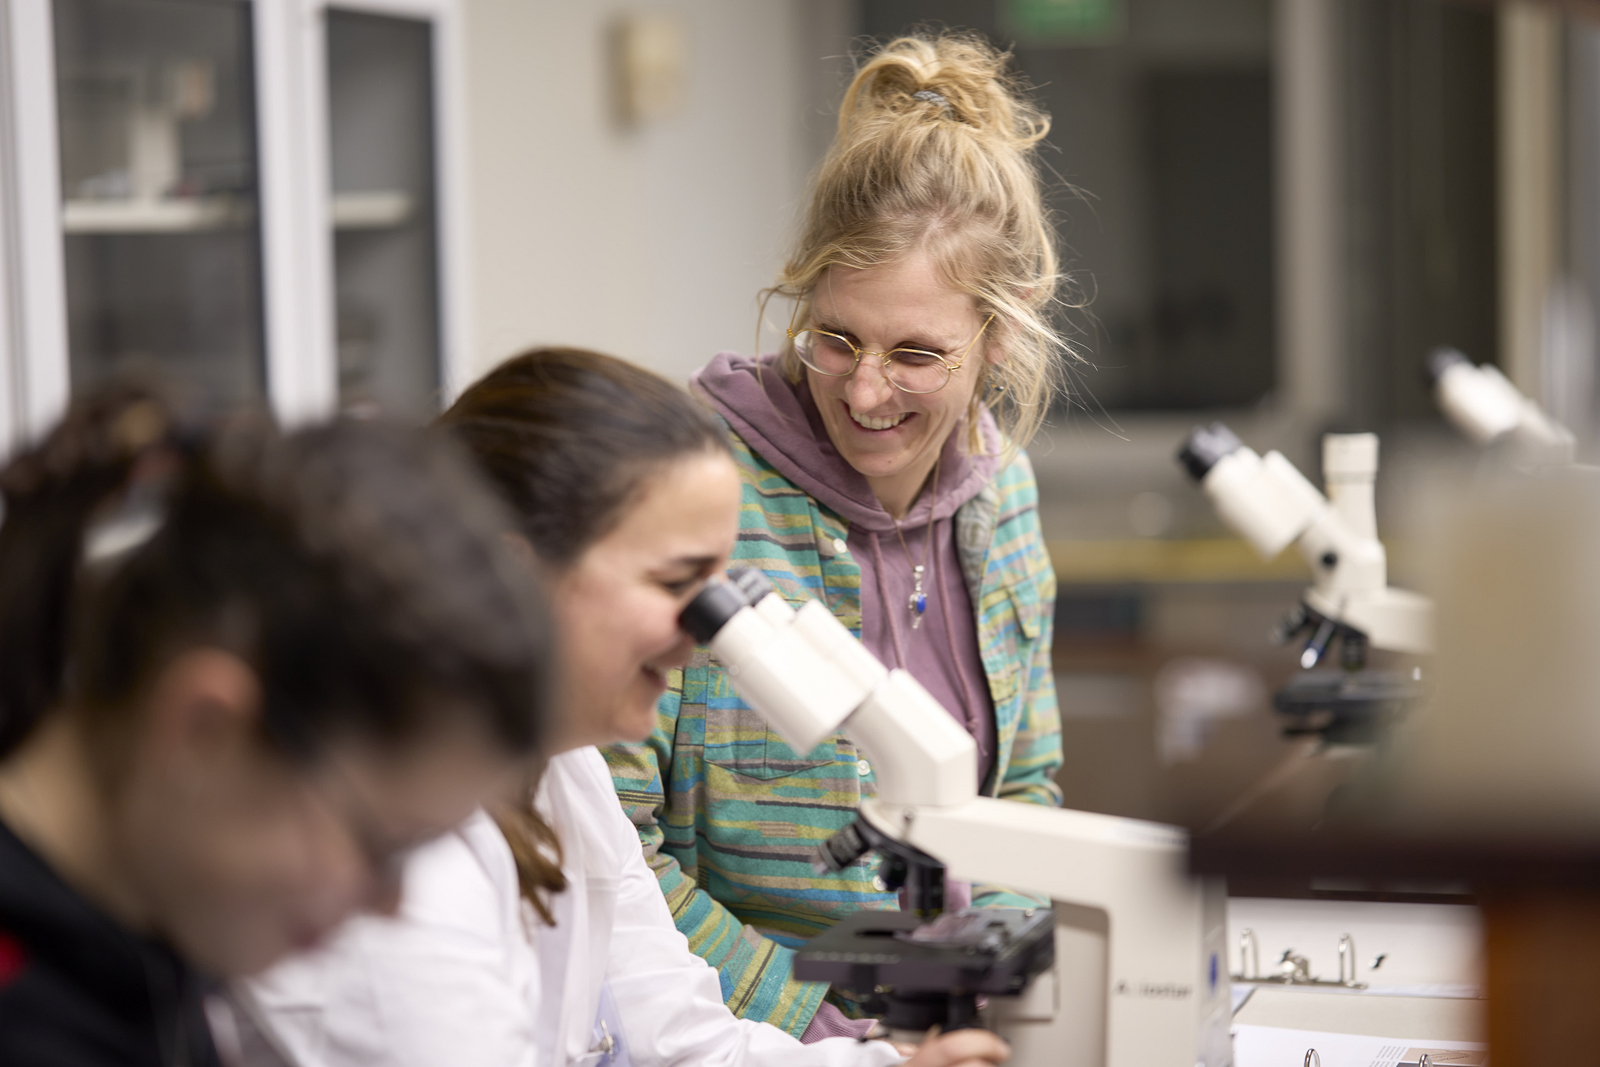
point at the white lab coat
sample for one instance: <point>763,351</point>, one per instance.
<point>466,974</point>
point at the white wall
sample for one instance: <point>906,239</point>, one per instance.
<point>652,243</point>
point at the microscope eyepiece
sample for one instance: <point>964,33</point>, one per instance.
<point>710,610</point>
<point>1440,360</point>
<point>719,601</point>
<point>1206,446</point>
<point>751,583</point>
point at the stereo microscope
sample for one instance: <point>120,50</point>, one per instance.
<point>1124,969</point>
<point>1269,503</point>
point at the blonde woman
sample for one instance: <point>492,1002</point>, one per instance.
<point>881,458</point>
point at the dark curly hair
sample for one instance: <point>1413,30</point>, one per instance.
<point>358,568</point>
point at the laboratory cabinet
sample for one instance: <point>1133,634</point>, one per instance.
<point>255,200</point>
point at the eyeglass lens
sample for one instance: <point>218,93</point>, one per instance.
<point>907,368</point>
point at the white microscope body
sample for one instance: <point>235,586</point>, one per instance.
<point>1269,503</point>
<point>1139,978</point>
<point>1484,405</point>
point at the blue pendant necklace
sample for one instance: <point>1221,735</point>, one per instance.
<point>917,603</point>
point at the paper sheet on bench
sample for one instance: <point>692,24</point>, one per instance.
<point>1273,1046</point>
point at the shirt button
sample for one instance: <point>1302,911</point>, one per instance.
<point>839,546</point>
<point>863,768</point>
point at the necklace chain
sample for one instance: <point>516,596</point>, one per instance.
<point>917,603</point>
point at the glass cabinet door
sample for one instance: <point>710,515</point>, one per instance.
<point>158,181</point>
<point>386,261</point>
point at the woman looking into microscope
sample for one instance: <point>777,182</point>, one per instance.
<point>881,456</point>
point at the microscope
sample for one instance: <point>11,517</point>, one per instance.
<point>1484,405</point>
<point>1269,503</point>
<point>1123,969</point>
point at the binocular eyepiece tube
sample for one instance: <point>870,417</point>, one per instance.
<point>710,610</point>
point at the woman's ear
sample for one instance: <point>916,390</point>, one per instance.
<point>999,336</point>
<point>204,704</point>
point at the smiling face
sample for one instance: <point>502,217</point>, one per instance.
<point>893,437</point>
<point>617,607</point>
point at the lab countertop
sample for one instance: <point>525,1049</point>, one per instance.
<point>1368,1014</point>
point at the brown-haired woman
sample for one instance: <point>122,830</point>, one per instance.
<point>240,675</point>
<point>880,452</point>
<point>623,488</point>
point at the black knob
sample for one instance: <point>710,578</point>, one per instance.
<point>841,850</point>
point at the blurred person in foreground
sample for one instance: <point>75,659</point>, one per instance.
<point>881,458</point>
<point>544,940</point>
<point>241,675</point>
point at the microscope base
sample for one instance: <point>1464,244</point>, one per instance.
<point>1139,978</point>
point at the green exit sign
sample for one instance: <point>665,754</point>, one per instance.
<point>1057,22</point>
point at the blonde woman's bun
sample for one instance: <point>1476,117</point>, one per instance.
<point>956,77</point>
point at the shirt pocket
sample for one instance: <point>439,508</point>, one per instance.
<point>1027,606</point>
<point>608,1048</point>
<point>738,740</point>
<point>1008,640</point>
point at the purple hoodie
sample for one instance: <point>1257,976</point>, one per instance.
<point>781,422</point>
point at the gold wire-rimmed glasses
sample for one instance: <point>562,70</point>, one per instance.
<point>910,370</point>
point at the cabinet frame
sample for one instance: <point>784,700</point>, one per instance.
<point>294,201</point>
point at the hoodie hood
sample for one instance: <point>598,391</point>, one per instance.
<point>781,422</point>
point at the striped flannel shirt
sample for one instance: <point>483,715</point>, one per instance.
<point>730,816</point>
